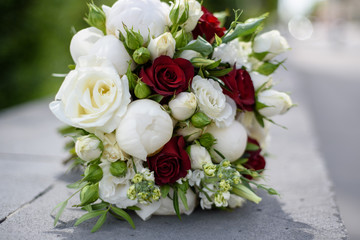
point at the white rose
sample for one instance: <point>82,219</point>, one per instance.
<point>113,49</point>
<point>199,156</point>
<point>194,13</point>
<point>254,129</point>
<point>189,54</point>
<point>189,132</point>
<point>162,45</point>
<point>144,129</point>
<point>230,141</point>
<point>277,102</point>
<point>88,147</point>
<point>114,189</point>
<point>235,201</point>
<point>232,53</point>
<point>150,17</point>
<point>92,96</point>
<point>82,42</point>
<point>165,206</point>
<point>271,42</point>
<point>183,106</point>
<point>259,80</point>
<point>213,102</point>
<point>112,151</point>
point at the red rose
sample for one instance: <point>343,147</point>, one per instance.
<point>168,76</point>
<point>241,87</point>
<point>208,26</point>
<point>255,160</point>
<point>171,163</point>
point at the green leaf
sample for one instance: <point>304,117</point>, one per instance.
<point>71,66</point>
<point>268,68</point>
<point>218,40</point>
<point>87,208</point>
<point>246,28</point>
<point>88,216</point>
<point>272,191</point>
<point>221,16</point>
<point>176,203</point>
<point>219,153</point>
<point>99,206</point>
<point>61,207</point>
<point>200,45</point>
<point>133,208</point>
<point>99,222</point>
<point>200,62</point>
<point>156,97</point>
<point>260,105</point>
<point>259,118</point>
<point>259,56</point>
<point>76,185</point>
<point>123,214</point>
<point>164,190</point>
<point>252,147</point>
<point>183,198</point>
<point>221,72</point>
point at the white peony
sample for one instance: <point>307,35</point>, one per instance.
<point>82,42</point>
<point>271,42</point>
<point>88,147</point>
<point>199,156</point>
<point>114,189</point>
<point>183,106</point>
<point>194,13</point>
<point>259,80</point>
<point>165,206</point>
<point>113,49</point>
<point>162,45</point>
<point>277,102</point>
<point>144,129</point>
<point>92,96</point>
<point>150,17</point>
<point>213,102</point>
<point>232,53</point>
<point>230,141</point>
<point>189,132</point>
<point>254,129</point>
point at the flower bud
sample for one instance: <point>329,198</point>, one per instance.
<point>162,45</point>
<point>183,106</point>
<point>133,40</point>
<point>275,102</point>
<point>137,178</point>
<point>131,192</point>
<point>221,199</point>
<point>118,168</point>
<point>89,194</point>
<point>209,169</point>
<point>207,140</point>
<point>88,147</point>
<point>141,55</point>
<point>96,17</point>
<point>181,39</point>
<point>93,174</point>
<point>271,42</point>
<point>142,90</point>
<point>200,120</point>
<point>199,156</point>
<point>188,14</point>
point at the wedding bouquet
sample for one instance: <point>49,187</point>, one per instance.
<point>168,109</point>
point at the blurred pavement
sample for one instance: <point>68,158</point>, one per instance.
<point>329,67</point>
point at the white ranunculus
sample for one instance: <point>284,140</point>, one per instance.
<point>189,54</point>
<point>165,206</point>
<point>114,189</point>
<point>233,53</point>
<point>144,129</point>
<point>88,147</point>
<point>271,42</point>
<point>112,151</point>
<point>254,129</point>
<point>213,102</point>
<point>199,156</point>
<point>183,106</point>
<point>230,141</point>
<point>235,201</point>
<point>113,49</point>
<point>259,79</point>
<point>189,132</point>
<point>141,15</point>
<point>92,96</point>
<point>82,42</point>
<point>162,45</point>
<point>194,13</point>
<point>277,102</point>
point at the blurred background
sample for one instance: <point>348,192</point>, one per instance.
<point>325,40</point>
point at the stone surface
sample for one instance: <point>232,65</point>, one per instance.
<point>305,210</point>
